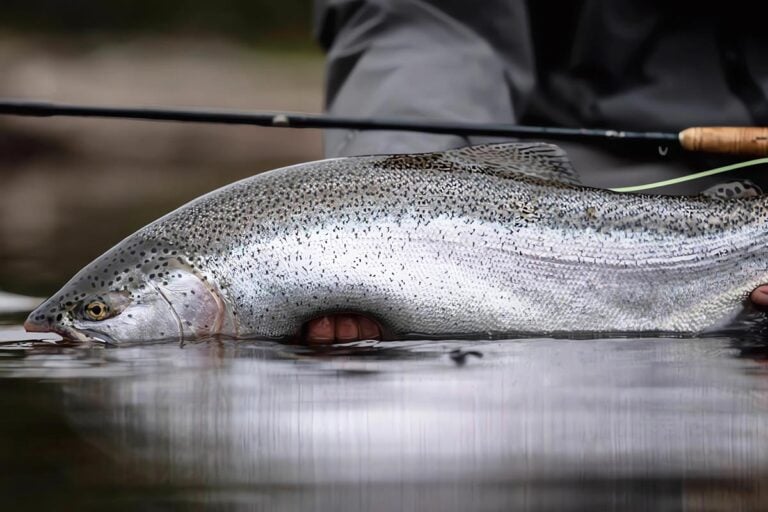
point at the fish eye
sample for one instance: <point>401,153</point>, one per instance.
<point>96,310</point>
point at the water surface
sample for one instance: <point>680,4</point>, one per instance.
<point>626,424</point>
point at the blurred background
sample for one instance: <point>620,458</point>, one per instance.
<point>71,188</point>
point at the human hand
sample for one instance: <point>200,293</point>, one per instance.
<point>342,328</point>
<point>759,296</point>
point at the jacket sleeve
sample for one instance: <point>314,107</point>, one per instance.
<point>440,59</point>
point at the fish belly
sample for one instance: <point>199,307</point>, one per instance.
<point>465,276</point>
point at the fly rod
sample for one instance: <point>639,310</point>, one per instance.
<point>752,141</point>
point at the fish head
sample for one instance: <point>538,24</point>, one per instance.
<point>135,294</point>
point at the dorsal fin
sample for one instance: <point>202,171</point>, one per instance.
<point>733,190</point>
<point>537,159</point>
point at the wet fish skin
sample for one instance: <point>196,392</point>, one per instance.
<point>492,239</point>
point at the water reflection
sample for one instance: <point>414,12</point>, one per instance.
<point>532,423</point>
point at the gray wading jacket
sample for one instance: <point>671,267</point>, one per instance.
<point>631,64</point>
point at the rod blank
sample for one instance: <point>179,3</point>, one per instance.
<point>751,141</point>
<point>300,120</point>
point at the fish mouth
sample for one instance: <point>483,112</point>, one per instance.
<point>33,325</point>
<point>67,332</point>
<point>94,336</point>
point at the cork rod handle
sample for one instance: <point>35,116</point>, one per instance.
<point>734,140</point>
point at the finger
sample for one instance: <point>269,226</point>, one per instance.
<point>346,328</point>
<point>368,329</point>
<point>759,296</point>
<point>321,330</point>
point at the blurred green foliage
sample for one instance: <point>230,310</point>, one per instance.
<point>251,21</point>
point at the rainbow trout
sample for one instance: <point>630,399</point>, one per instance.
<point>495,240</point>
